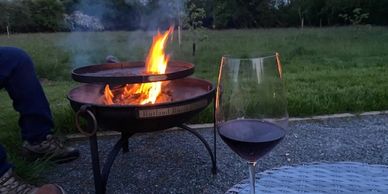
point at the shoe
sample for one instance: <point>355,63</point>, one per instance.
<point>10,183</point>
<point>52,148</point>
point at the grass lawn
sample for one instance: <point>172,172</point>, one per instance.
<point>327,70</point>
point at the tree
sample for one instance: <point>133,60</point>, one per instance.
<point>301,7</point>
<point>193,22</point>
<point>265,13</point>
<point>378,12</point>
<point>16,15</point>
<point>356,18</point>
<point>70,5</point>
<point>246,13</point>
<point>47,15</point>
<point>223,13</point>
<point>121,14</point>
<point>316,13</point>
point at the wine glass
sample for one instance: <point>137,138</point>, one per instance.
<point>251,106</point>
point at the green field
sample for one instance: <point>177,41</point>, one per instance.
<point>327,70</point>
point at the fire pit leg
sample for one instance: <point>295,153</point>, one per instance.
<point>125,137</point>
<point>101,178</point>
<point>112,156</point>
<point>199,136</point>
<point>86,113</point>
<point>214,170</point>
<point>96,165</point>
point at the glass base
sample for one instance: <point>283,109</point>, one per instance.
<point>244,187</point>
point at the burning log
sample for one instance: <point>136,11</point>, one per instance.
<point>129,95</point>
<point>145,93</point>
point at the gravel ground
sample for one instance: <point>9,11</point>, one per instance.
<point>177,162</point>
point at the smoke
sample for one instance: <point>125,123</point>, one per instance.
<point>86,47</point>
<point>165,14</point>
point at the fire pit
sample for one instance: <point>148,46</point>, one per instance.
<point>137,97</point>
<point>188,96</point>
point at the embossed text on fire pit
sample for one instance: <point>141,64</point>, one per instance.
<point>172,110</point>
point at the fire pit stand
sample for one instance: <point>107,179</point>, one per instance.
<point>129,120</point>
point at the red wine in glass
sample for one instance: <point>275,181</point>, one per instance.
<point>250,138</point>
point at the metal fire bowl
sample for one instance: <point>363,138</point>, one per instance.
<point>129,72</point>
<point>190,95</point>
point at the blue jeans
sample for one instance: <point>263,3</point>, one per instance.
<point>18,78</point>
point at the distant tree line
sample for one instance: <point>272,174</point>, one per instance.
<point>294,13</point>
<point>31,15</point>
<point>57,15</point>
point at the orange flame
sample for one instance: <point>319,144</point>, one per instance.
<point>156,63</point>
<point>108,95</point>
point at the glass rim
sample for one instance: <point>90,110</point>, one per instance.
<point>255,56</point>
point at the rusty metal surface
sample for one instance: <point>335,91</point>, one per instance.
<point>129,72</point>
<point>190,96</point>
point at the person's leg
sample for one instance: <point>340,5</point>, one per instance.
<point>18,77</point>
<point>4,165</point>
<point>11,183</point>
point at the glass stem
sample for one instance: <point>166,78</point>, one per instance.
<point>252,167</point>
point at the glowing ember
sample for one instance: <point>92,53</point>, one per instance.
<point>145,93</point>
